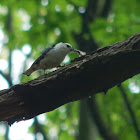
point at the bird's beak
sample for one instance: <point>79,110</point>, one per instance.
<point>74,50</point>
<point>80,53</point>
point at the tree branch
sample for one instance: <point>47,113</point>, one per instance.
<point>92,73</point>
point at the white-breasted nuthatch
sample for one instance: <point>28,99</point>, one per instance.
<point>51,57</point>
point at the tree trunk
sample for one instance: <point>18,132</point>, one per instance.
<point>96,72</point>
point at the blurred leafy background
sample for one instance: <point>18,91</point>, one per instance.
<point>27,27</point>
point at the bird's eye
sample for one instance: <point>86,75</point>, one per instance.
<point>68,46</point>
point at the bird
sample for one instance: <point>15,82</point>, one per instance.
<point>51,57</point>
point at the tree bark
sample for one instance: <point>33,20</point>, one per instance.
<point>93,73</point>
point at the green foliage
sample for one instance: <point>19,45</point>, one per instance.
<point>121,23</point>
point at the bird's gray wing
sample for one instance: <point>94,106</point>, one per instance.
<point>43,54</point>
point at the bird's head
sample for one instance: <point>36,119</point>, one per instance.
<point>65,47</point>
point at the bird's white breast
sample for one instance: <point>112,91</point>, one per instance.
<point>53,58</point>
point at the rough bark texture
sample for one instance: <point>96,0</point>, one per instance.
<point>96,72</point>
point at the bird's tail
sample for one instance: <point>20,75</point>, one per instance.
<point>28,72</point>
